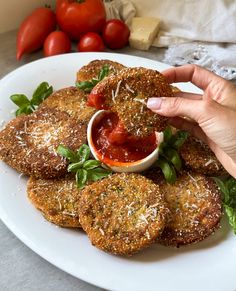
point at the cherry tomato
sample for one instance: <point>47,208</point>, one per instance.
<point>34,30</point>
<point>115,34</point>
<point>56,43</point>
<point>77,17</point>
<point>91,42</point>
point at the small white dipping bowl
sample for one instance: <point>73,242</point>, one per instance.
<point>137,166</point>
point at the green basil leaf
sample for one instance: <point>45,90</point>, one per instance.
<point>19,111</point>
<point>27,109</point>
<point>86,86</point>
<point>167,134</point>
<point>41,93</point>
<point>83,153</point>
<point>42,87</point>
<point>98,173</point>
<point>231,186</point>
<point>67,153</point>
<point>91,164</point>
<point>20,99</point>
<point>180,138</point>
<point>167,169</point>
<point>162,147</point>
<point>173,156</point>
<point>231,213</point>
<point>223,188</point>
<point>103,73</point>
<point>75,166</point>
<point>94,82</point>
<point>27,106</point>
<point>228,188</point>
<point>81,178</point>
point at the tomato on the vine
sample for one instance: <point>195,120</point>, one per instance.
<point>56,43</point>
<point>116,34</point>
<point>77,17</point>
<point>91,42</point>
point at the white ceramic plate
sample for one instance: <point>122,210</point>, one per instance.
<point>209,265</point>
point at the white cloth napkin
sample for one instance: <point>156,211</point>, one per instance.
<point>120,9</point>
<point>201,32</point>
<point>203,20</point>
<point>220,59</point>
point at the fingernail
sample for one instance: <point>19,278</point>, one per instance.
<point>154,103</point>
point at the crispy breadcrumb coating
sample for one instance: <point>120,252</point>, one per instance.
<point>123,213</point>
<point>29,142</point>
<point>57,199</point>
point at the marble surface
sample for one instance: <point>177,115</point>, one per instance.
<point>21,268</point>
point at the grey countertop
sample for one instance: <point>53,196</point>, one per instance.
<point>21,268</point>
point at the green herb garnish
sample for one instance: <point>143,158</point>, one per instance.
<point>84,168</point>
<point>87,86</point>
<point>169,160</point>
<point>228,188</point>
<point>27,106</point>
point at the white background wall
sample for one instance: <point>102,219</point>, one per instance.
<point>12,12</point>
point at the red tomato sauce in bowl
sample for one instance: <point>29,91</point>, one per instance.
<point>114,145</point>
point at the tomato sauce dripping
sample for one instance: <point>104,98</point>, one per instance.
<point>114,143</point>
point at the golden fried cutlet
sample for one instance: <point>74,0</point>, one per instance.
<point>200,158</point>
<point>57,199</point>
<point>29,143</point>
<point>127,94</point>
<point>195,205</point>
<point>71,100</point>
<point>175,89</point>
<point>122,213</point>
<point>92,70</point>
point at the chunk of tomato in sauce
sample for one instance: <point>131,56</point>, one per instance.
<point>118,135</point>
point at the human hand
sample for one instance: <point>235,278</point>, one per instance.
<point>212,115</point>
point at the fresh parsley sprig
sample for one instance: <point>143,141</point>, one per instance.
<point>228,188</point>
<point>27,106</point>
<point>79,163</point>
<point>87,86</point>
<point>169,160</point>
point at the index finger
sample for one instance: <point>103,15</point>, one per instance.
<point>191,73</point>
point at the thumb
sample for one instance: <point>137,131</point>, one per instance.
<point>177,106</point>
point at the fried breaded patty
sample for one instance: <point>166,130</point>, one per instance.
<point>123,213</point>
<point>127,94</point>
<point>195,205</point>
<point>29,143</point>
<point>175,89</point>
<point>200,158</point>
<point>57,199</point>
<point>71,100</point>
<point>92,70</point>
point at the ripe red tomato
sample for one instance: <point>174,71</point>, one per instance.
<point>91,42</point>
<point>77,17</point>
<point>34,30</point>
<point>56,43</point>
<point>116,34</point>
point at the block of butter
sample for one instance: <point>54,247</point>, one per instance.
<point>143,32</point>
